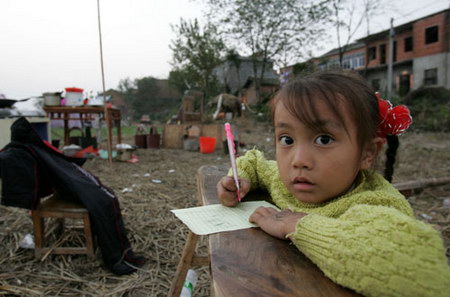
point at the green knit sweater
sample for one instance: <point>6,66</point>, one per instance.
<point>367,240</point>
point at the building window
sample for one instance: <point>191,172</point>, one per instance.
<point>357,61</point>
<point>334,64</point>
<point>361,61</point>
<point>322,66</point>
<point>376,84</point>
<point>430,77</point>
<point>346,64</point>
<point>382,53</point>
<point>431,34</point>
<point>408,44</point>
<point>394,52</point>
<point>372,53</point>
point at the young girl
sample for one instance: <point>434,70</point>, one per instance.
<point>349,220</point>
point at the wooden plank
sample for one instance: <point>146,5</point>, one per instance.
<point>173,136</point>
<point>409,187</point>
<point>58,214</point>
<point>183,265</point>
<point>90,251</point>
<point>200,261</point>
<point>38,226</point>
<point>66,250</point>
<point>54,203</point>
<point>250,262</point>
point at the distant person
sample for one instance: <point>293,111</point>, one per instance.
<point>348,219</point>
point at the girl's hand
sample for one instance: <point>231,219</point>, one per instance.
<point>274,222</point>
<point>226,189</point>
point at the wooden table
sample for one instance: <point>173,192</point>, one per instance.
<point>250,262</point>
<point>85,113</point>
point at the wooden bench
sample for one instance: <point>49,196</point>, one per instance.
<point>250,262</point>
<point>55,207</point>
<point>409,188</point>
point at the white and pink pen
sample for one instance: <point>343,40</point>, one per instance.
<point>232,152</point>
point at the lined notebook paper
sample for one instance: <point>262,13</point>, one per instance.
<point>215,218</point>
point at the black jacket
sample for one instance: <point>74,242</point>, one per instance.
<point>30,169</point>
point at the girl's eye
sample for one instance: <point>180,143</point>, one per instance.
<point>286,140</point>
<point>323,140</point>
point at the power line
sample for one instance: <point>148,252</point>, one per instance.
<point>417,9</point>
<point>401,19</point>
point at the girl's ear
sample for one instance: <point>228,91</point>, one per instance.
<point>371,152</point>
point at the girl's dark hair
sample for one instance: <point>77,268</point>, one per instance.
<point>334,88</point>
<point>391,152</point>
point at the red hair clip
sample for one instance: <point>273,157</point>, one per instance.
<point>393,120</point>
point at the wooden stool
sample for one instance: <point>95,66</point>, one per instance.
<point>188,257</point>
<point>55,207</point>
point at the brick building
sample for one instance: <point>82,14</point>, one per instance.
<point>421,55</point>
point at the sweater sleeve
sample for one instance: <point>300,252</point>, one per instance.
<point>377,251</point>
<point>256,168</point>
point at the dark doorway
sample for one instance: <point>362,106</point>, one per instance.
<point>405,85</point>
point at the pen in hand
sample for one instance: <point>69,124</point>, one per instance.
<point>232,152</point>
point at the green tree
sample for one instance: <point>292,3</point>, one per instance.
<point>141,94</point>
<point>196,52</point>
<point>127,88</point>
<point>277,30</point>
<point>233,57</point>
<point>303,68</point>
<point>146,95</point>
<point>179,79</point>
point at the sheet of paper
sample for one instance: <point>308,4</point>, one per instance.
<point>215,218</point>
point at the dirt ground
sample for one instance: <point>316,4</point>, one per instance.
<point>158,235</point>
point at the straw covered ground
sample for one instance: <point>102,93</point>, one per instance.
<point>158,235</point>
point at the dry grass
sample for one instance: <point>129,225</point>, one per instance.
<point>158,235</point>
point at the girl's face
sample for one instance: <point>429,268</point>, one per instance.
<point>318,165</point>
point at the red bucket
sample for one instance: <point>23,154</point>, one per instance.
<point>207,144</point>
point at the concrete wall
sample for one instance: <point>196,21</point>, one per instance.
<point>447,71</point>
<point>381,74</point>
<point>440,61</point>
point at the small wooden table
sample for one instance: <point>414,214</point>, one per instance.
<point>250,262</point>
<point>85,113</point>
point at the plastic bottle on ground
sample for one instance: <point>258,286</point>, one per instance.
<point>189,283</point>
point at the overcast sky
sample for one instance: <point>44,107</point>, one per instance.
<point>47,45</point>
